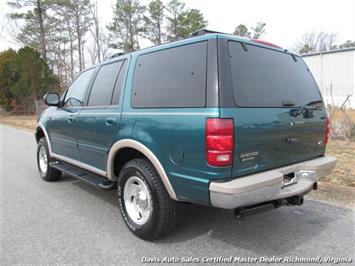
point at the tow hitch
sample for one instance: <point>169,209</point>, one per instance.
<point>242,212</point>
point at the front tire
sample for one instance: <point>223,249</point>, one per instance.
<point>43,159</point>
<point>145,205</point>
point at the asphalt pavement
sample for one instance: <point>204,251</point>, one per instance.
<point>70,222</point>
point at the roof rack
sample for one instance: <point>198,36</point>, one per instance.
<point>201,32</point>
<point>116,55</point>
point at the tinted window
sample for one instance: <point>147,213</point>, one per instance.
<point>76,91</point>
<point>102,89</point>
<point>119,83</point>
<point>264,77</point>
<point>173,77</point>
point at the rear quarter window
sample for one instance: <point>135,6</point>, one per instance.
<point>266,78</point>
<point>174,77</point>
<point>102,89</point>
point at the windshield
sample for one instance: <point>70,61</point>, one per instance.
<point>267,78</point>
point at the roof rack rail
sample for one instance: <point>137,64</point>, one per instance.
<point>201,32</point>
<point>116,55</point>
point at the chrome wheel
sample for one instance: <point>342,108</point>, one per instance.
<point>138,201</point>
<point>43,160</point>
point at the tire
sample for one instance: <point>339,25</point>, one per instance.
<point>140,174</point>
<point>45,171</point>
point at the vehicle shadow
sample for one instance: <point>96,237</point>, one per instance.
<point>272,233</point>
<point>276,232</point>
<point>107,196</point>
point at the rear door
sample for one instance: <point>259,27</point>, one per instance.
<point>272,129</point>
<point>99,119</point>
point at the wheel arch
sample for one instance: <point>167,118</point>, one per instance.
<point>42,132</point>
<point>120,145</point>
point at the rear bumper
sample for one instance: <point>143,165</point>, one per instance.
<point>269,185</point>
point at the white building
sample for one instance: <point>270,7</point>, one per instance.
<point>334,72</point>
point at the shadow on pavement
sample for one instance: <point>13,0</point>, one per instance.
<point>276,232</point>
<point>272,233</point>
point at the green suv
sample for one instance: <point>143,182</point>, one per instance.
<point>214,119</point>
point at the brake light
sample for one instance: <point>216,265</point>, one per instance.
<point>327,130</point>
<point>219,141</point>
<point>266,43</point>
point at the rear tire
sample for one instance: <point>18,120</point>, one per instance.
<point>43,159</point>
<point>145,205</point>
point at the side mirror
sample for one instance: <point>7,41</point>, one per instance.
<point>52,99</point>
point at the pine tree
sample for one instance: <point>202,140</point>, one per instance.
<point>36,26</point>
<point>182,21</point>
<point>127,25</point>
<point>8,77</point>
<point>34,78</point>
<point>154,21</point>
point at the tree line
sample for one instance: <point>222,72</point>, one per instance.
<point>320,41</point>
<point>60,29</point>
<point>61,36</point>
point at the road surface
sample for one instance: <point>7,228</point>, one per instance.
<point>70,222</point>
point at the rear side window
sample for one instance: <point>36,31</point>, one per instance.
<point>266,78</point>
<point>173,77</point>
<point>102,89</point>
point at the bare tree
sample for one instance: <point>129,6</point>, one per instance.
<point>80,16</point>
<point>99,48</point>
<point>316,41</point>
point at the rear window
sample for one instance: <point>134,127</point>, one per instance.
<point>266,78</point>
<point>174,77</point>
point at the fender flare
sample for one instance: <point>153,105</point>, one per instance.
<point>130,143</point>
<point>41,126</point>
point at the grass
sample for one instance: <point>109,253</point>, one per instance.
<point>344,172</point>
<point>338,114</point>
<point>28,122</point>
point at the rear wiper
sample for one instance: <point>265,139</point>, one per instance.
<point>307,107</point>
<point>313,103</point>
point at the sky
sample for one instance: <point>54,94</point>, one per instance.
<point>286,21</point>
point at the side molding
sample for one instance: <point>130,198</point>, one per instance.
<point>79,164</point>
<point>129,143</point>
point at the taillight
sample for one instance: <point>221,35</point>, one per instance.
<point>327,130</point>
<point>219,141</point>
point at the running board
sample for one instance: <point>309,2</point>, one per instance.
<point>83,175</point>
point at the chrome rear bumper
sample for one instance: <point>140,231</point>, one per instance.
<point>270,185</point>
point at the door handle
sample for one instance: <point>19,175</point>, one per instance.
<point>110,121</point>
<point>71,119</point>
